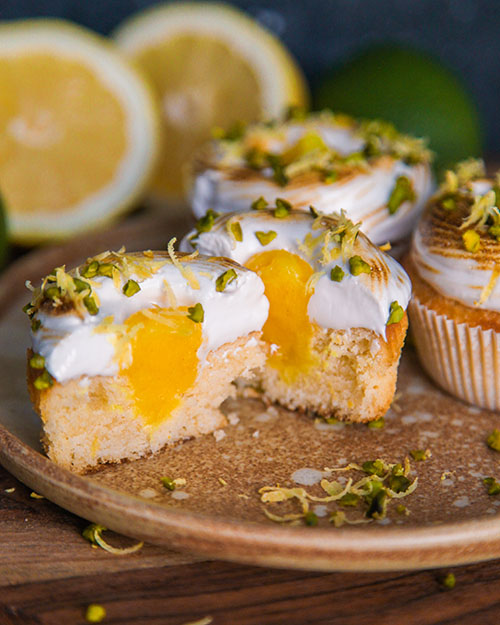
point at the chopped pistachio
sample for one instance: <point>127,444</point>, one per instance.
<point>493,440</point>
<point>282,209</point>
<point>330,177</point>
<point>401,509</point>
<point>402,192</point>
<point>205,223</point>
<point>259,204</point>
<point>37,361</point>
<point>196,313</point>
<point>275,163</point>
<point>90,304</point>
<point>349,499</point>
<point>106,270</point>
<point>331,420</point>
<point>337,274</point>
<point>224,279</point>
<point>492,486</point>
<point>43,381</point>
<point>357,266</point>
<point>399,483</point>
<point>95,613</point>
<point>398,469</point>
<point>235,132</point>
<point>90,270</point>
<point>313,212</point>
<point>311,519</point>
<point>35,324</point>
<point>236,231</point>
<point>168,483</point>
<point>420,454</point>
<point>28,309</point>
<point>52,292</point>
<point>471,240</point>
<point>495,231</point>
<point>449,203</point>
<point>378,424</point>
<point>377,504</point>
<point>374,467</point>
<point>266,237</point>
<point>355,158</point>
<point>93,533</point>
<point>295,113</point>
<point>448,581</point>
<point>131,288</point>
<point>81,285</point>
<point>396,313</point>
<point>255,158</point>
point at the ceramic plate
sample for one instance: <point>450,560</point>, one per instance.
<point>452,520</point>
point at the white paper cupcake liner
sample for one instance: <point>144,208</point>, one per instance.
<point>463,360</point>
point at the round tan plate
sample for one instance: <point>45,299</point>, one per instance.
<point>452,520</point>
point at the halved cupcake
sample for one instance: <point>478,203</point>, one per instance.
<point>455,266</point>
<point>337,317</point>
<point>134,351</point>
<point>376,174</point>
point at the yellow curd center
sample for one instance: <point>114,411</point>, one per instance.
<point>285,276</point>
<point>164,362</point>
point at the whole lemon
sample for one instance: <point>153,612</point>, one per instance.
<point>414,91</point>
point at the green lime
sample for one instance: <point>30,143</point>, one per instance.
<point>412,90</point>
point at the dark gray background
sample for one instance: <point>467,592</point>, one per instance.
<point>463,34</point>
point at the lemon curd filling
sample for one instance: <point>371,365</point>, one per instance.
<point>164,361</point>
<point>288,326</point>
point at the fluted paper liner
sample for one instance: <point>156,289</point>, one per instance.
<point>464,360</point>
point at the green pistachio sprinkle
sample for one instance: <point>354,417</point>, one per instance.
<point>81,285</point>
<point>396,313</point>
<point>255,158</point>
<point>356,158</point>
<point>330,177</point>
<point>275,163</point>
<point>349,499</point>
<point>236,231</point>
<point>282,209</point>
<point>448,581</point>
<point>37,361</point>
<point>224,279</point>
<point>52,292</point>
<point>196,313</point>
<point>402,192</point>
<point>377,504</point>
<point>399,483</point>
<point>28,309</point>
<point>295,113</point>
<point>106,270</point>
<point>378,424</point>
<point>234,133</point>
<point>131,288</point>
<point>397,469</point>
<point>492,486</point>
<point>90,270</point>
<point>331,420</point>
<point>495,231</point>
<point>374,467</point>
<point>357,265</point>
<point>43,381</point>
<point>420,454</point>
<point>259,204</point>
<point>35,324</point>
<point>95,613</point>
<point>449,203</point>
<point>337,274</point>
<point>168,483</point>
<point>493,440</point>
<point>401,509</point>
<point>471,240</point>
<point>313,212</point>
<point>207,221</point>
<point>311,519</point>
<point>266,237</point>
<point>90,304</point>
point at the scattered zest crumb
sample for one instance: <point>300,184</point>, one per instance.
<point>243,496</point>
<point>95,613</point>
<point>9,490</point>
<point>219,435</point>
<point>447,474</point>
<point>222,481</point>
<point>172,484</point>
<point>93,533</point>
<point>34,495</point>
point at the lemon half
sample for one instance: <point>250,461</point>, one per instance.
<point>210,65</point>
<point>78,130</point>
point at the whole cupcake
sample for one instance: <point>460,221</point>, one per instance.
<point>454,264</point>
<point>333,162</point>
<point>337,317</point>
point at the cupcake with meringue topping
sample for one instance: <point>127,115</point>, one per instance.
<point>454,264</point>
<point>337,317</point>
<point>331,161</point>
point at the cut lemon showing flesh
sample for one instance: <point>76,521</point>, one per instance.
<point>210,65</point>
<point>78,130</point>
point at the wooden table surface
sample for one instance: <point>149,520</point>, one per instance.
<point>49,574</point>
